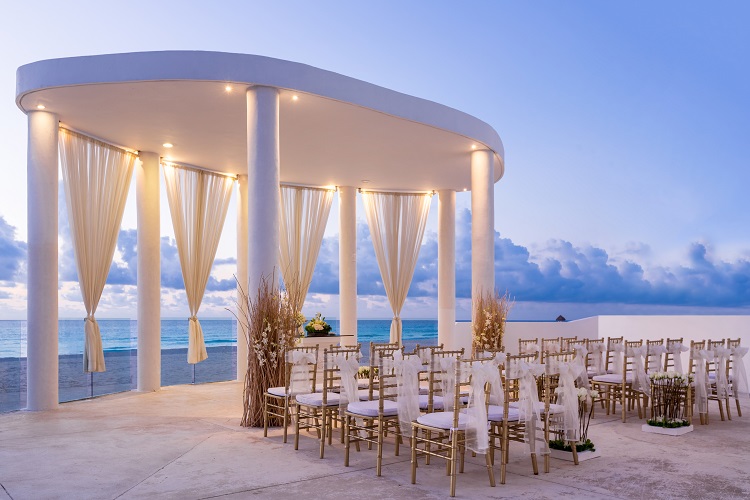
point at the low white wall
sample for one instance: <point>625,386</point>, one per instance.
<point>630,327</point>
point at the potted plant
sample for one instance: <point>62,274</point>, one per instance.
<point>670,392</point>
<point>584,447</point>
<point>317,327</point>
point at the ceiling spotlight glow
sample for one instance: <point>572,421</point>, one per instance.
<point>168,145</point>
<point>464,189</point>
<point>473,146</point>
<point>295,98</point>
<point>40,106</point>
<point>228,88</point>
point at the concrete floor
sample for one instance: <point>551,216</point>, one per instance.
<point>185,442</point>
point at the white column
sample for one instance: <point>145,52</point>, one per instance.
<point>482,222</point>
<point>263,209</point>
<point>446,267</point>
<point>149,272</point>
<point>348,263</point>
<point>241,274</point>
<point>41,321</point>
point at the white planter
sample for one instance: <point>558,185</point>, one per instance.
<point>568,455</point>
<point>668,431</point>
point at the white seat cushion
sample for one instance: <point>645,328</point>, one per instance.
<point>437,402</point>
<point>363,383</point>
<point>277,391</point>
<point>372,408</point>
<point>316,399</point>
<point>424,390</point>
<point>442,420</point>
<point>613,378</point>
<point>495,413</point>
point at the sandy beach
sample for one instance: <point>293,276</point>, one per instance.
<point>121,374</point>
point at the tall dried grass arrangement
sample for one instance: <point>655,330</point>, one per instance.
<point>270,322</point>
<point>488,328</point>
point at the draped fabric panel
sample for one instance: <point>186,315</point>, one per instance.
<point>304,214</point>
<point>198,203</point>
<point>397,222</point>
<point>96,177</point>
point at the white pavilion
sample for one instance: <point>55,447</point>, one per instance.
<point>265,122</point>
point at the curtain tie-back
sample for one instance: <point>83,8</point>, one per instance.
<point>93,352</point>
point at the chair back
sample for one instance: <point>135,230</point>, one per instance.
<point>548,346</point>
<point>332,381</point>
<point>436,375</point>
<point>565,342</point>
<point>310,374</point>
<point>669,363</point>
<point>528,346</point>
<point>377,351</point>
<point>594,364</point>
<point>655,351</point>
<point>552,374</point>
<point>695,345</point>
<point>610,360</point>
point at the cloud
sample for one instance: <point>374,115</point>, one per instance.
<point>12,254</point>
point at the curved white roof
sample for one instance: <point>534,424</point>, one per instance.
<point>340,131</point>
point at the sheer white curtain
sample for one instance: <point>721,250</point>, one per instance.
<point>397,222</point>
<point>96,177</point>
<point>198,202</point>
<point>304,214</point>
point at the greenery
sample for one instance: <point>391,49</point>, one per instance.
<point>669,424</point>
<point>559,444</point>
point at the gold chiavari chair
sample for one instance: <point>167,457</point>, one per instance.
<point>718,376</point>
<point>655,353</point>
<point>547,346</point>
<point>276,400</point>
<point>553,410</point>
<point>319,410</point>
<point>565,342</point>
<point>507,424</point>
<point>670,361</point>
<point>369,421</point>
<point>425,354</point>
<point>619,386</point>
<point>377,349</point>
<point>443,434</point>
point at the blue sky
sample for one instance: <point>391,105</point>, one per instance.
<point>623,122</point>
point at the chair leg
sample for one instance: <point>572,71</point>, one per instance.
<point>737,402</point>
<point>623,403</point>
<point>287,419</point>
<point>726,405</point>
<point>534,464</point>
<point>721,410</point>
<point>575,452</point>
<point>413,455</point>
<point>379,465</point>
<point>454,451</point>
<point>347,429</point>
<point>427,448</point>
<point>296,430</point>
<point>490,470</point>
<point>323,430</point>
<point>265,416</point>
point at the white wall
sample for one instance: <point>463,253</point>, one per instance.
<point>630,327</point>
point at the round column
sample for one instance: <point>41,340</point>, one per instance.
<point>41,321</point>
<point>482,222</point>
<point>149,272</point>
<point>348,264</point>
<point>263,209</point>
<point>241,274</point>
<point>446,267</point>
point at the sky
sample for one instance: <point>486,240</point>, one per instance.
<point>624,125</point>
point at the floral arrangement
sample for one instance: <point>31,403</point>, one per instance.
<point>586,399</point>
<point>317,326</point>
<point>488,327</point>
<point>269,322</point>
<point>668,399</point>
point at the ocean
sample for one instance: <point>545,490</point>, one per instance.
<point>122,334</point>
<point>120,341</point>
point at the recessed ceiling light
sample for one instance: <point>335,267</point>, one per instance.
<point>295,98</point>
<point>365,181</point>
<point>168,145</point>
<point>40,106</point>
<point>228,88</point>
<point>464,189</point>
<point>473,146</point>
